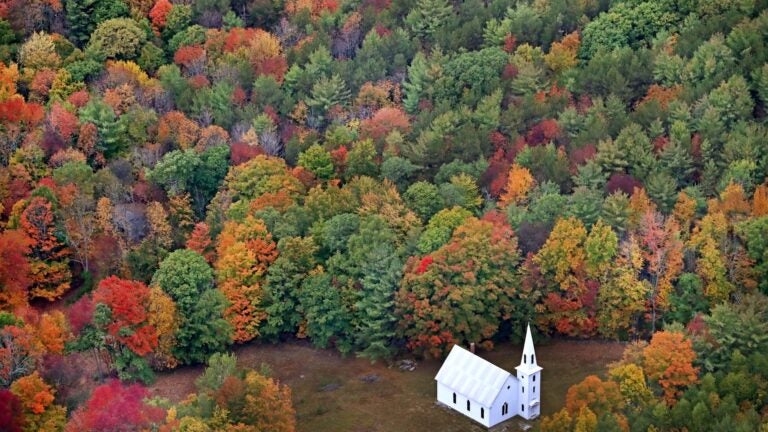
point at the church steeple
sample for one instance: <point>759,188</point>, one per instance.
<point>529,354</point>
<point>529,379</point>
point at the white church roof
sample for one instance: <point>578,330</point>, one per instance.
<point>471,376</point>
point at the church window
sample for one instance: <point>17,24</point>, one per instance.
<point>482,412</point>
<point>468,408</point>
<point>522,407</point>
<point>525,358</point>
<point>454,398</point>
<point>533,358</point>
<point>534,389</point>
<point>523,389</point>
<point>505,409</point>
<point>534,378</point>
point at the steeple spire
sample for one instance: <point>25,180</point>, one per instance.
<point>528,361</point>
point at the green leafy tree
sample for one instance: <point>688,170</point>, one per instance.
<point>317,160</point>
<point>188,279</point>
<point>117,38</point>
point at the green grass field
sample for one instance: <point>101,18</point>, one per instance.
<point>330,394</point>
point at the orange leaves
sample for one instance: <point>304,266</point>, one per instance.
<point>385,120</point>
<point>190,56</point>
<point>668,359</point>
<point>200,241</point>
<point>15,110</point>
<point>159,12</point>
<point>760,201</point>
<point>562,55</point>
<point>662,95</point>
<point>593,393</point>
<point>50,277</point>
<point>34,393</point>
<point>9,75</point>
<point>128,300</point>
<point>519,183</point>
<point>245,251</point>
<point>176,128</point>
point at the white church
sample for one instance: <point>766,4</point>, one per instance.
<point>487,393</point>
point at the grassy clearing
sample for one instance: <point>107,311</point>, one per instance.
<point>330,394</point>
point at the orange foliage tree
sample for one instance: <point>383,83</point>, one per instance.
<point>244,250</point>
<point>519,183</point>
<point>128,302</point>
<point>49,267</point>
<point>463,291</point>
<point>40,413</point>
<point>668,360</point>
<point>593,393</point>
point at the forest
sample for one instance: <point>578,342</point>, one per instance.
<point>381,178</point>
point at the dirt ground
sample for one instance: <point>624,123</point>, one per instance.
<point>347,394</point>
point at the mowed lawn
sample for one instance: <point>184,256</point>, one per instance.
<point>332,393</point>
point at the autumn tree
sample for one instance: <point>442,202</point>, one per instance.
<point>130,337</point>
<point>668,360</point>
<point>39,411</point>
<point>519,183</point>
<point>49,268</point>
<point>460,273</point>
<point>663,251</point>
<point>562,264</point>
<point>114,406</point>
<point>245,250</point>
<point>14,270</point>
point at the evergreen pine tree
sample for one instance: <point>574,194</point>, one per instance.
<point>376,321</point>
<point>417,80</point>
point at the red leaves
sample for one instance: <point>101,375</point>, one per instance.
<point>63,122</point>
<point>80,314</point>
<point>543,132</point>
<point>128,300</point>
<point>159,13</point>
<point>14,269</point>
<point>190,56</point>
<point>11,415</point>
<point>385,121</point>
<point>424,264</point>
<point>15,110</point>
<point>112,407</point>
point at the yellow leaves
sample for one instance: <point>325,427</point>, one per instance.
<point>159,229</point>
<point>562,55</point>
<point>9,75</point>
<point>131,71</point>
<point>161,314</point>
<point>245,251</point>
<point>520,182</point>
<point>632,384</point>
<point>39,52</point>
<point>684,212</point>
<point>732,203</point>
<point>639,204</point>
<point>563,252</point>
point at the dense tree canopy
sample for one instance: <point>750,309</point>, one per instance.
<point>382,178</point>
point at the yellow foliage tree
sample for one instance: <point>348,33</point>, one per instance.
<point>519,183</point>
